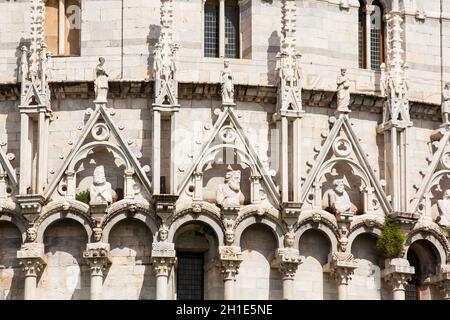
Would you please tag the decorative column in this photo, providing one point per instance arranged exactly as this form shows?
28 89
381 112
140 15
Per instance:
396 118
163 259
35 114
97 257
397 273
287 262
229 262
289 105
166 96
33 261
341 266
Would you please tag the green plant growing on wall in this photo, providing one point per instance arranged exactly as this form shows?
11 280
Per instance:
392 238
83 196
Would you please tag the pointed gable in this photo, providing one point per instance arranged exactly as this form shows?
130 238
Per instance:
229 142
342 157
100 131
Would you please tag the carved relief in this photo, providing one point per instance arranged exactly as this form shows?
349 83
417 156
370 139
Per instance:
444 209
337 199
229 193
100 190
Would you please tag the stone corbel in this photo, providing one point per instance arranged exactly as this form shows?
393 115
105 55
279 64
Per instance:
290 212
420 15
165 205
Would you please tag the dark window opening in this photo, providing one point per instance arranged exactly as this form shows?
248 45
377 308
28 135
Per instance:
190 275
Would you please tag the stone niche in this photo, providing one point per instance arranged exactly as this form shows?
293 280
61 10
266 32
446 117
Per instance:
353 187
214 176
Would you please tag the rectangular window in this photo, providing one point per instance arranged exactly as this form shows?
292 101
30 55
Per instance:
231 32
375 58
63 27
190 276
211 30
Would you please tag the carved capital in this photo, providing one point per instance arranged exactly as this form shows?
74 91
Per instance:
32 258
97 257
229 262
397 273
341 266
163 265
287 262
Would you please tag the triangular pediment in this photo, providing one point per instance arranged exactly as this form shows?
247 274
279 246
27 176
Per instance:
342 157
101 141
228 149
436 177
165 96
32 96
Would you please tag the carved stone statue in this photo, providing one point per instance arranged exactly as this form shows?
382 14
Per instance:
24 62
101 82
446 103
31 234
343 91
338 200
444 209
100 190
229 193
227 84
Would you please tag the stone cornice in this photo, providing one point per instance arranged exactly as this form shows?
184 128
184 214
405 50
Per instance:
248 93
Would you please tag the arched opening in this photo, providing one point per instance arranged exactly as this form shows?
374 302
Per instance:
130 275
66 276
310 280
423 256
376 36
197 277
11 275
366 283
257 279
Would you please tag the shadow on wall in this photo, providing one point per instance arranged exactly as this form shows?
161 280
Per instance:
152 39
272 49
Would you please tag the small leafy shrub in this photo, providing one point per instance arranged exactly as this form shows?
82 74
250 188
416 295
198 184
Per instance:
83 196
392 238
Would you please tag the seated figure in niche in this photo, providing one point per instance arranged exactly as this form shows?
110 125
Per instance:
100 190
338 200
229 193
444 209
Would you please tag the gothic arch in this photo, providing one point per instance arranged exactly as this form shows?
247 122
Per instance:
19 222
181 220
275 226
357 169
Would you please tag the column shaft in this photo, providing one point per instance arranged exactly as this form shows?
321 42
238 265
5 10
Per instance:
156 151
222 28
